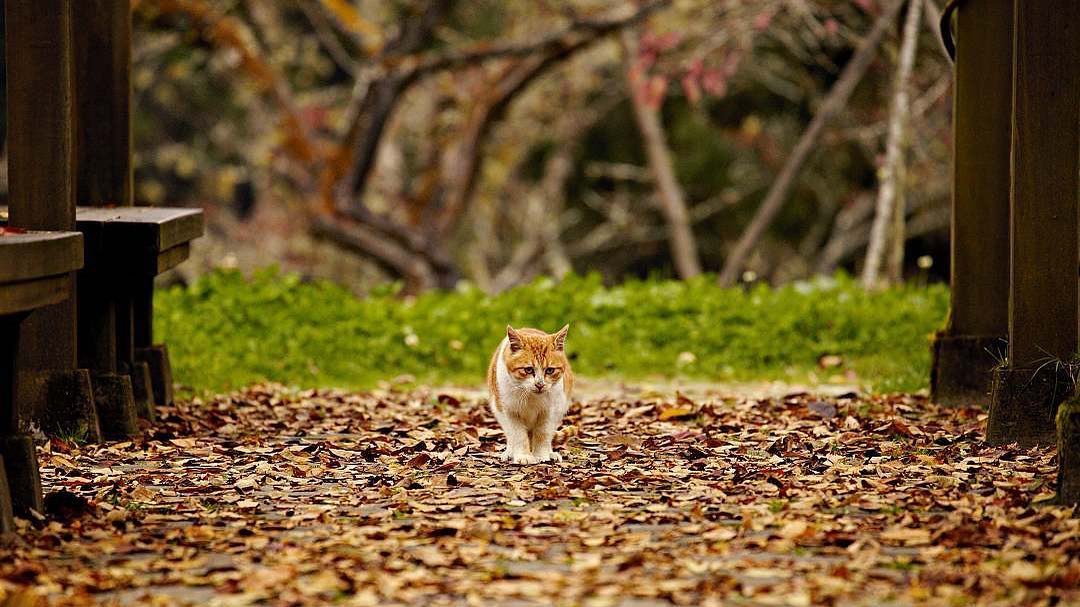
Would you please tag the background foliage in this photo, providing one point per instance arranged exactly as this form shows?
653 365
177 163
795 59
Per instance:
268 114
281 328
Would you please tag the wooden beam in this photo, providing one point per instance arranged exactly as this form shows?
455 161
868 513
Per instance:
982 105
1043 225
103 169
39 119
1045 144
973 342
102 47
37 254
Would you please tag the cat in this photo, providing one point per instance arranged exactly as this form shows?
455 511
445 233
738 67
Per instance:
530 382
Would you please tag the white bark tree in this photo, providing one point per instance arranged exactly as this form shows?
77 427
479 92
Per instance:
888 226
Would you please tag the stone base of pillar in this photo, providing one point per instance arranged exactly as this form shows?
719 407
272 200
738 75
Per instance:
115 402
143 387
23 478
69 410
7 519
962 368
157 357
1024 402
1068 441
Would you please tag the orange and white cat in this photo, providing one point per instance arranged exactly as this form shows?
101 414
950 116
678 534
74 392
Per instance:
530 382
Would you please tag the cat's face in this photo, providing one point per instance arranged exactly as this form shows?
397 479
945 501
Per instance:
535 360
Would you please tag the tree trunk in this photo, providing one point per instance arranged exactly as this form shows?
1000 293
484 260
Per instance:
684 250
897 237
890 201
834 102
932 19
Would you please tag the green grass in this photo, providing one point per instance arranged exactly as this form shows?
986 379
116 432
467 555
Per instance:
226 331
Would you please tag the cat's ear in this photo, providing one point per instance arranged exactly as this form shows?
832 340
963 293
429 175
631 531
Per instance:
559 338
513 338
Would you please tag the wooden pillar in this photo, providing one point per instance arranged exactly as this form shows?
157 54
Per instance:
39 118
1043 226
39 122
973 342
102 59
9 421
103 171
102 44
3 82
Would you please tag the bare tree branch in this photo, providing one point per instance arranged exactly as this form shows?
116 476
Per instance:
848 243
370 243
369 35
834 102
462 159
416 66
933 25
684 252
327 37
346 172
541 245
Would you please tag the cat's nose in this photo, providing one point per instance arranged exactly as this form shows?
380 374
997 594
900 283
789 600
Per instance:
539 386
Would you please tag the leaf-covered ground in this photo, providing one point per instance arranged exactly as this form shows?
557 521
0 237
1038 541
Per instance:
279 498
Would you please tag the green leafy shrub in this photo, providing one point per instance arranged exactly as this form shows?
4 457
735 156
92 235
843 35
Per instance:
225 331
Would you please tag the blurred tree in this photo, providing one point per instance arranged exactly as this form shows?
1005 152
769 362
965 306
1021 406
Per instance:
497 141
888 227
684 249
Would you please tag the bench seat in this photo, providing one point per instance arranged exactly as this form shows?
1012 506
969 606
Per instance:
34 268
145 240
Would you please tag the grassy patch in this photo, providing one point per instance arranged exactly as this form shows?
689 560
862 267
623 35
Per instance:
226 331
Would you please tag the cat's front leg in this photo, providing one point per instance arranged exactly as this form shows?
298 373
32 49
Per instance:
541 443
517 441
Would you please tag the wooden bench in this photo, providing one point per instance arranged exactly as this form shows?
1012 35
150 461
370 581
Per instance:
35 271
125 249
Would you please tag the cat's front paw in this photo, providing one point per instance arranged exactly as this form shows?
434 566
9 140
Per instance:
524 458
549 456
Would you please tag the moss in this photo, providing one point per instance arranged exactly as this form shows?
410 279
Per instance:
1068 428
1069 413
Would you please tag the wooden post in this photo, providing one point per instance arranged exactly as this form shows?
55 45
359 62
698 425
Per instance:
102 43
3 81
973 342
103 177
20 483
9 421
1043 228
102 47
39 122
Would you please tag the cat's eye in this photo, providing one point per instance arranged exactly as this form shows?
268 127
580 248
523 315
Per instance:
550 371
527 370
